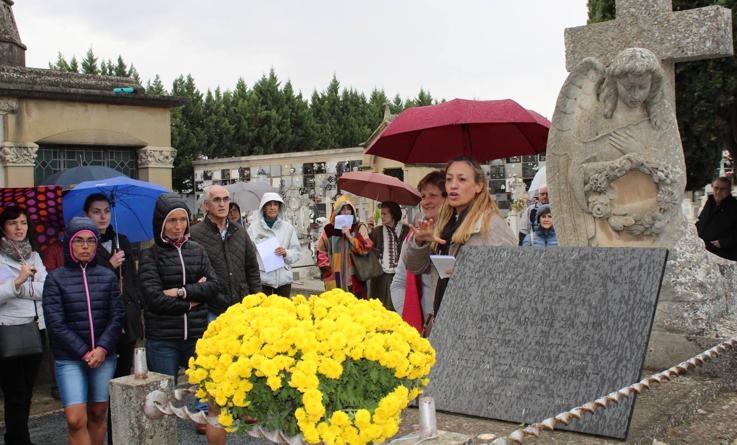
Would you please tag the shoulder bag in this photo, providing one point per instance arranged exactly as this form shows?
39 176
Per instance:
22 339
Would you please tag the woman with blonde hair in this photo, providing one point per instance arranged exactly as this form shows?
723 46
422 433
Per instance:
468 217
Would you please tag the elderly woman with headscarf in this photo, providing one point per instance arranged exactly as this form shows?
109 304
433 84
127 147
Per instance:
272 224
335 247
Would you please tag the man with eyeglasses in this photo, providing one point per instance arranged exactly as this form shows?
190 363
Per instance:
234 257
717 224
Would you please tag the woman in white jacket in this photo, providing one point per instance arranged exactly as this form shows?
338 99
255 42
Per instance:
272 224
22 276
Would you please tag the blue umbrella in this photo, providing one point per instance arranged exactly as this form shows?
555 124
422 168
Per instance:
132 204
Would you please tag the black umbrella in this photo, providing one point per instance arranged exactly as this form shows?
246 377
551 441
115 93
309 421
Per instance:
73 176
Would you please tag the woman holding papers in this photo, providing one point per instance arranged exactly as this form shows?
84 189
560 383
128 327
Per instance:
271 228
468 217
22 276
343 236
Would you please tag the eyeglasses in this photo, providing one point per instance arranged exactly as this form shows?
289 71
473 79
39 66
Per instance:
221 200
84 241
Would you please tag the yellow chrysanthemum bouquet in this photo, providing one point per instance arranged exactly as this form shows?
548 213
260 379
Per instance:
331 367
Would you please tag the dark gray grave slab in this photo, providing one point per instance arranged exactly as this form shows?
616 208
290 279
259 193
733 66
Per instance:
524 334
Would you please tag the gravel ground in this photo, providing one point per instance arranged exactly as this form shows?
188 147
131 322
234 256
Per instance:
51 429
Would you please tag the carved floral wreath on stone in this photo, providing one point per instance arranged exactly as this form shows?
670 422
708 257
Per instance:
600 195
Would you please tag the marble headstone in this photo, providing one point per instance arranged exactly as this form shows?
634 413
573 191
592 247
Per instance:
524 334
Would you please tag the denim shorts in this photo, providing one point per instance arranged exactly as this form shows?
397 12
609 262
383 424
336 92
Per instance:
78 383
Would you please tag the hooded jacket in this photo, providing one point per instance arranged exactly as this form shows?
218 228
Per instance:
540 237
171 265
234 260
285 234
334 249
81 302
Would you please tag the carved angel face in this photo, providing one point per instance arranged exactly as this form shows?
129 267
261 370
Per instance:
633 89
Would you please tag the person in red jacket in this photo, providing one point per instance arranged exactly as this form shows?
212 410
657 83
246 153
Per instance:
411 294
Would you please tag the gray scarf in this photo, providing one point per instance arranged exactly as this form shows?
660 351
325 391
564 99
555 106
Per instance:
20 251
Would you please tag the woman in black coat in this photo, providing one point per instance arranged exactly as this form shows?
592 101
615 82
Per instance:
177 281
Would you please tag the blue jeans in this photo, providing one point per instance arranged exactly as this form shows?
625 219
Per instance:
166 356
78 383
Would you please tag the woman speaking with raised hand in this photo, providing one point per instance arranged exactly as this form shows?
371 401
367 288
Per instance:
469 217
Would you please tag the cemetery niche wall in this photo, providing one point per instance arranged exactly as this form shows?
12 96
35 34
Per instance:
524 334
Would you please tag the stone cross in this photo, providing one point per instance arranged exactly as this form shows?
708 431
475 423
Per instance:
693 34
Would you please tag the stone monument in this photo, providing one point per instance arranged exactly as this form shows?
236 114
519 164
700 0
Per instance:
615 162
616 166
521 350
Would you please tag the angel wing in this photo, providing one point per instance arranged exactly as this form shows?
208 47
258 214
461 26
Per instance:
577 101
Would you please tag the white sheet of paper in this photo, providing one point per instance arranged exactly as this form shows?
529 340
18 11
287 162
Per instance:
343 221
5 273
269 259
443 264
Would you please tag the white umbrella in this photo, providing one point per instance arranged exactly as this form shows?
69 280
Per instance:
538 181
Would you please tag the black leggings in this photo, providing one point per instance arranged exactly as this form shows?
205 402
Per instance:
17 376
283 291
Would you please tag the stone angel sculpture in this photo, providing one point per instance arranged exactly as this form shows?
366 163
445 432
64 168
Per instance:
616 171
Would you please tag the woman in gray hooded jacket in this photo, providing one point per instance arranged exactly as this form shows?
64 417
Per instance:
271 223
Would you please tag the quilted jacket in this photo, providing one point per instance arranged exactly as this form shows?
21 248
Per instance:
82 305
168 265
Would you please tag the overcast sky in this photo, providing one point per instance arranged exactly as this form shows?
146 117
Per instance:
474 49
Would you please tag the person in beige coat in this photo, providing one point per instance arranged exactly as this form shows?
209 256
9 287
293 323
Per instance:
469 217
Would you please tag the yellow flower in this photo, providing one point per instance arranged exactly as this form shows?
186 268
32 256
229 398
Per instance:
225 419
274 382
267 339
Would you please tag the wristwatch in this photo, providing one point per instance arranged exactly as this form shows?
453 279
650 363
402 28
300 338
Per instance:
181 293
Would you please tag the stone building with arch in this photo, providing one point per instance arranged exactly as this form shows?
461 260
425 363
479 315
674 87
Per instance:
52 120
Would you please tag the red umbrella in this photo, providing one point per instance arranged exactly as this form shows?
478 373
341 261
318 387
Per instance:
379 187
43 204
483 129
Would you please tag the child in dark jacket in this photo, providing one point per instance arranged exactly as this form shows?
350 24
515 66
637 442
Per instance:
84 313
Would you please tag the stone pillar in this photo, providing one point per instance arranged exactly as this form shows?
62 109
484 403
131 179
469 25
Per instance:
155 165
17 160
130 425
